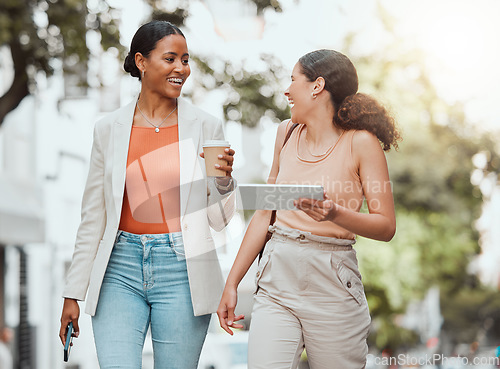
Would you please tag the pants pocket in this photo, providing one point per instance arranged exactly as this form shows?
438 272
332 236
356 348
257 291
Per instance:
351 282
178 248
263 263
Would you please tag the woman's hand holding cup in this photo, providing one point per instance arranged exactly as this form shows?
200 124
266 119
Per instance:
219 158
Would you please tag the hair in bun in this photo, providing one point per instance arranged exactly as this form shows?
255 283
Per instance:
144 41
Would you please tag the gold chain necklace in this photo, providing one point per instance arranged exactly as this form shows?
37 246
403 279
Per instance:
318 157
326 151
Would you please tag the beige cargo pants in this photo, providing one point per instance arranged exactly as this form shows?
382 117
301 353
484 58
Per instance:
310 295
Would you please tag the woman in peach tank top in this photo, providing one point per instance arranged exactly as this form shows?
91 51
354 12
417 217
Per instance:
309 290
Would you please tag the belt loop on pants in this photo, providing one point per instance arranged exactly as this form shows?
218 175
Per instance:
118 234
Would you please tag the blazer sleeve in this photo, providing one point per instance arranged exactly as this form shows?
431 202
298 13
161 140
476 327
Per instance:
220 208
92 225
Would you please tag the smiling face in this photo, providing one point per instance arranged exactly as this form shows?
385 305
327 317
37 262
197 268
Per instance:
299 95
167 66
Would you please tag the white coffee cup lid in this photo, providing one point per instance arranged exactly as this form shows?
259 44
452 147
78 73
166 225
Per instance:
216 143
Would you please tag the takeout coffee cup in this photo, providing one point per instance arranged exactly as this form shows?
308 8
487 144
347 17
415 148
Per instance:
212 149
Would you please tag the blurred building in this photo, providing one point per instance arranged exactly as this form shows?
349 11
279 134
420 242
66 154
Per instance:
44 145
22 218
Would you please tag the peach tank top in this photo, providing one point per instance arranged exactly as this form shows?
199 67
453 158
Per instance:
151 202
334 170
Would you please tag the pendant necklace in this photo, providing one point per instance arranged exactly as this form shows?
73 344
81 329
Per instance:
157 127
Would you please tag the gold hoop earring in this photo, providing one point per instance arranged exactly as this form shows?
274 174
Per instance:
313 95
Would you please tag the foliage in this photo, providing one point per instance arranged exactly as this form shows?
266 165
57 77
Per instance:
37 32
385 334
250 95
175 14
61 35
472 313
265 4
436 204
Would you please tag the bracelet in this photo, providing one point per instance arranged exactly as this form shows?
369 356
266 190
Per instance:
226 187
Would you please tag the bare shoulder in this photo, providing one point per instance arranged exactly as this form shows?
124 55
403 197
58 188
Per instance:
365 145
278 144
365 141
362 137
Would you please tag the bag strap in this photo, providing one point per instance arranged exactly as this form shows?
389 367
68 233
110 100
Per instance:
288 134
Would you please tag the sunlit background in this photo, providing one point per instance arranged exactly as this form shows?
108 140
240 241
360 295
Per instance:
434 289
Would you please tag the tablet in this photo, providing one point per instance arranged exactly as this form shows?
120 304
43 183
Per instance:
276 196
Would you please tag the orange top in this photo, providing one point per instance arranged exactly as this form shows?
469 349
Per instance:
334 169
151 202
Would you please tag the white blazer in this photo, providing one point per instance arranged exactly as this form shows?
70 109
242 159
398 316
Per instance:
103 198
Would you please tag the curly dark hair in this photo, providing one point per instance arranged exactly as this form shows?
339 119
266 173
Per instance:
145 40
360 111
352 110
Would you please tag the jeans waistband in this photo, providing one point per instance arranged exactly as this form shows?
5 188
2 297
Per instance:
167 238
309 239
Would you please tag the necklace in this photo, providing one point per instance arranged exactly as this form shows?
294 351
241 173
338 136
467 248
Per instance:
319 157
157 127
326 151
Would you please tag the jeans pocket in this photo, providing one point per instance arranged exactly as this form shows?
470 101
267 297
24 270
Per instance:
178 247
351 282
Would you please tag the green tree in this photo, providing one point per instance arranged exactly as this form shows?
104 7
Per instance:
250 94
436 203
38 32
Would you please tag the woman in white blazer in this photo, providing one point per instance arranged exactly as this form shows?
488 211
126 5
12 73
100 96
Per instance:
165 273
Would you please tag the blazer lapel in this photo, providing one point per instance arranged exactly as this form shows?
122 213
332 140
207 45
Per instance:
189 147
121 138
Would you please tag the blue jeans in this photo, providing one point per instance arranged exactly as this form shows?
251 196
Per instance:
146 283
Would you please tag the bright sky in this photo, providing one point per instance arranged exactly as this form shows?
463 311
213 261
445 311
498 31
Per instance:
461 41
